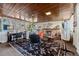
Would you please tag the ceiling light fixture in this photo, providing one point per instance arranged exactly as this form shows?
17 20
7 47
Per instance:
48 13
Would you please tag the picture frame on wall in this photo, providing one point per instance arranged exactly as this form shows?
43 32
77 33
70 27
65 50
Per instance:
0 26
74 23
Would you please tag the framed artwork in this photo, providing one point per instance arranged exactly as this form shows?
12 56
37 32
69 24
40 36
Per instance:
75 23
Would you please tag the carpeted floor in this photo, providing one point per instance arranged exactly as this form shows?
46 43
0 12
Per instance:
7 50
24 48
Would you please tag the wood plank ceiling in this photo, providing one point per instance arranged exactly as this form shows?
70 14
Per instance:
26 10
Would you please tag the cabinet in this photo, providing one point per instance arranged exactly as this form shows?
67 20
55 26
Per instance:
3 37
